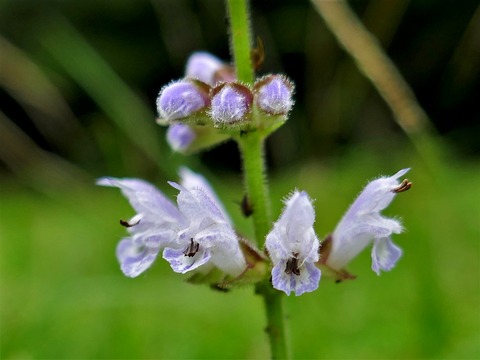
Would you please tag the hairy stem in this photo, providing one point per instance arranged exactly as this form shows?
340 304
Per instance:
251 146
240 39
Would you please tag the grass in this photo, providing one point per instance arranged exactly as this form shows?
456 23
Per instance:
63 296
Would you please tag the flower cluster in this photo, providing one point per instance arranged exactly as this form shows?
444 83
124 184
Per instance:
197 235
210 94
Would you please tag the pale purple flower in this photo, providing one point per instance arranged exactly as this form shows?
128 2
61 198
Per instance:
181 99
192 235
203 66
208 236
293 247
230 103
153 227
180 136
362 224
273 94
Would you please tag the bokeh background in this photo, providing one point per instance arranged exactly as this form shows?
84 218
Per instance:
78 82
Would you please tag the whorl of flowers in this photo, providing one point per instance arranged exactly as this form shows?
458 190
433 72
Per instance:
196 236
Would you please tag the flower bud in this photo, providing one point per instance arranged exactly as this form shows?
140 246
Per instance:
202 66
273 94
182 98
180 136
208 68
231 103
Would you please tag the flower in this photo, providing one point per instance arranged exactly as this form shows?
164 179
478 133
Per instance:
180 136
195 234
273 94
293 247
208 236
363 224
153 227
182 98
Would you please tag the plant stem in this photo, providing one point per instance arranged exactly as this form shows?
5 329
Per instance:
240 39
273 300
251 146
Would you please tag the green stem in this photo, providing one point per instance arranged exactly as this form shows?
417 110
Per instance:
240 39
251 146
273 300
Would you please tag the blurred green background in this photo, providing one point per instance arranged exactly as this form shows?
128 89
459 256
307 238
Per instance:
78 82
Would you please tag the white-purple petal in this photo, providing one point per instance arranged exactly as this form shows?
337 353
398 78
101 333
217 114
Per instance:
226 254
385 255
307 281
182 263
191 180
195 204
376 196
135 259
145 198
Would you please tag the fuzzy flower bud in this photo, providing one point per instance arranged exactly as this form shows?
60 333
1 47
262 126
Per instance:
273 94
231 103
207 68
180 136
182 98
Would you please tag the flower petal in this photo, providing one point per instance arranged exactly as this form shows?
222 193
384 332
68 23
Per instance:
195 204
222 242
376 196
385 255
135 259
307 281
182 263
145 198
191 180
293 232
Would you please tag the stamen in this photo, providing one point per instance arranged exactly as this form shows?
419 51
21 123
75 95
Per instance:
128 224
292 265
191 249
404 186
